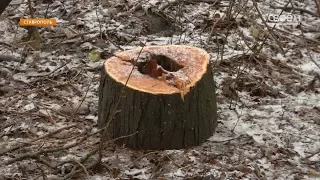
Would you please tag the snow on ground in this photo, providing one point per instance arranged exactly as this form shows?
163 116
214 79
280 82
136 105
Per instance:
269 114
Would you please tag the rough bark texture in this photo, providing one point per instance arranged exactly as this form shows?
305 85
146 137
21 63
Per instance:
3 5
161 121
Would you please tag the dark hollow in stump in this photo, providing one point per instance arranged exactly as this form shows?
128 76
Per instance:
169 101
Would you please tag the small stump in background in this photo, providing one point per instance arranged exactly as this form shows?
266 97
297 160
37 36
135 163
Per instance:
169 101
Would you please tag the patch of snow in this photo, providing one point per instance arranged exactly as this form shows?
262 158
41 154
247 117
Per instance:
178 173
138 173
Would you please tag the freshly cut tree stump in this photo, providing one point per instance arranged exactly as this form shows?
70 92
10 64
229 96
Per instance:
169 101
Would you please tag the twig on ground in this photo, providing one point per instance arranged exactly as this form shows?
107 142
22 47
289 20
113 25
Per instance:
100 26
238 119
2 152
152 152
204 1
6 44
112 42
311 155
290 33
228 140
308 50
82 100
41 160
63 65
73 37
46 13
83 168
44 176
35 154
135 8
258 172
9 58
269 29
75 169
171 3
285 8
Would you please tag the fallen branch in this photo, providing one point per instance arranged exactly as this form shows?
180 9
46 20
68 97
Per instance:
308 50
63 65
311 155
35 154
230 139
83 168
269 29
8 58
290 33
204 1
6 44
135 8
166 5
294 9
74 170
4 151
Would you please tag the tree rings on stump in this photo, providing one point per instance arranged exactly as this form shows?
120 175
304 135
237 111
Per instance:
169 100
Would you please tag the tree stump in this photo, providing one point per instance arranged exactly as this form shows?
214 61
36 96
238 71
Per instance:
3 5
169 101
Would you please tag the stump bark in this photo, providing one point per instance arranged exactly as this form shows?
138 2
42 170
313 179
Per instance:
3 5
169 101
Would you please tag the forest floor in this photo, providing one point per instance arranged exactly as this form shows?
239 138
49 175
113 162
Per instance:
268 88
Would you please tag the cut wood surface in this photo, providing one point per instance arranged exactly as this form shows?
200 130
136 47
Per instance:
169 101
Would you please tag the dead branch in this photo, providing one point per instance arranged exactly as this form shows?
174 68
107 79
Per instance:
258 172
43 174
294 9
166 5
135 8
290 33
269 29
308 50
311 85
35 154
41 160
6 44
63 65
74 170
311 155
82 100
204 1
8 58
4 151
83 168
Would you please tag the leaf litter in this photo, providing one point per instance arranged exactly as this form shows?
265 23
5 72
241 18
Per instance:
268 103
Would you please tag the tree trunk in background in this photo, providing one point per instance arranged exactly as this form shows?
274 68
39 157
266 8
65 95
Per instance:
3 5
160 115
